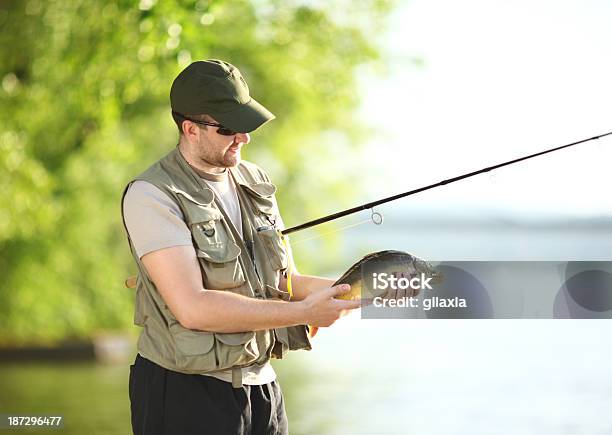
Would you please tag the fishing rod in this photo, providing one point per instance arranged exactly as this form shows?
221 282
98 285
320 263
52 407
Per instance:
373 204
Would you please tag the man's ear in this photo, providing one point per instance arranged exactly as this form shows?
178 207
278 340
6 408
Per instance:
190 130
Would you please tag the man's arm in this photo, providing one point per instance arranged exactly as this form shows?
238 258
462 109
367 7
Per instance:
304 285
176 274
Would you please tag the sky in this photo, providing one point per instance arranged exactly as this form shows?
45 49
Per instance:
474 83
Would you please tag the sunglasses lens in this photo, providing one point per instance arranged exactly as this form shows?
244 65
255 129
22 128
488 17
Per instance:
226 131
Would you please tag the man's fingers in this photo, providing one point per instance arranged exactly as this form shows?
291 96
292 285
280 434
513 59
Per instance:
349 305
339 290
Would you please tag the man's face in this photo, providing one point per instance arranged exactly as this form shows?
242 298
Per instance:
219 150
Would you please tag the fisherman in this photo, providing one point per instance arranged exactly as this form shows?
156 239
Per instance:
212 293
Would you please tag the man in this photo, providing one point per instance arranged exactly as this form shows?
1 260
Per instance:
212 294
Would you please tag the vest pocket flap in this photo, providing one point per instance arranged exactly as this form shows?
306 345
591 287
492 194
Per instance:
192 342
235 338
263 189
205 216
221 254
198 213
203 197
275 293
261 196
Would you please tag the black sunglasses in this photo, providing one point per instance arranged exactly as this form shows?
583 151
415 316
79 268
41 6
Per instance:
224 131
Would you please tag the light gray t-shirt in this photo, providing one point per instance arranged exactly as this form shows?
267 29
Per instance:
154 221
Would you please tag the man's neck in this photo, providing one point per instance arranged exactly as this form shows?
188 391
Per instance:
202 168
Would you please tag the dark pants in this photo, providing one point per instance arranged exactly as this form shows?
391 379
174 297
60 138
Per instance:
164 402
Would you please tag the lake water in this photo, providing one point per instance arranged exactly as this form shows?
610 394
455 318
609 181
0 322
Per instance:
385 377
459 377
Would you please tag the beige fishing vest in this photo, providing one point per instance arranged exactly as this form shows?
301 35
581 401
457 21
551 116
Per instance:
226 264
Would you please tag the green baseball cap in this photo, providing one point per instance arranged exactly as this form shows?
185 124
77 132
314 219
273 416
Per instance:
216 88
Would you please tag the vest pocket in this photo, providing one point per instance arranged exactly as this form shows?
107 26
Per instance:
202 351
238 348
221 271
261 196
274 247
191 342
216 250
194 349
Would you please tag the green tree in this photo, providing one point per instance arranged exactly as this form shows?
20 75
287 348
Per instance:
84 102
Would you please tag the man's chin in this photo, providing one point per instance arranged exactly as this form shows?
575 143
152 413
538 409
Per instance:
232 160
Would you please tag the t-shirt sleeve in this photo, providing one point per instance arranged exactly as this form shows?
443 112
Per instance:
153 220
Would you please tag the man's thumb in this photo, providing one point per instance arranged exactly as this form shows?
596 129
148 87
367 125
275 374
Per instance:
340 289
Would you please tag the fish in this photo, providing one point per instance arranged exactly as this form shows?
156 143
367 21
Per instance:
360 275
398 263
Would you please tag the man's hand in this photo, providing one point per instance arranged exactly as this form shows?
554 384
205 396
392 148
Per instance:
322 309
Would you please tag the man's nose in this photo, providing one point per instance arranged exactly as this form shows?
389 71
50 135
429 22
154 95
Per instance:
244 138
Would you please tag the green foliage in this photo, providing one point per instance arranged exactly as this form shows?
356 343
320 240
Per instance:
84 102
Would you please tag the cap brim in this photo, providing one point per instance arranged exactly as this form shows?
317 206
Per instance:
245 118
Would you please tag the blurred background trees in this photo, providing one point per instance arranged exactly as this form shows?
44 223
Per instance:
84 100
